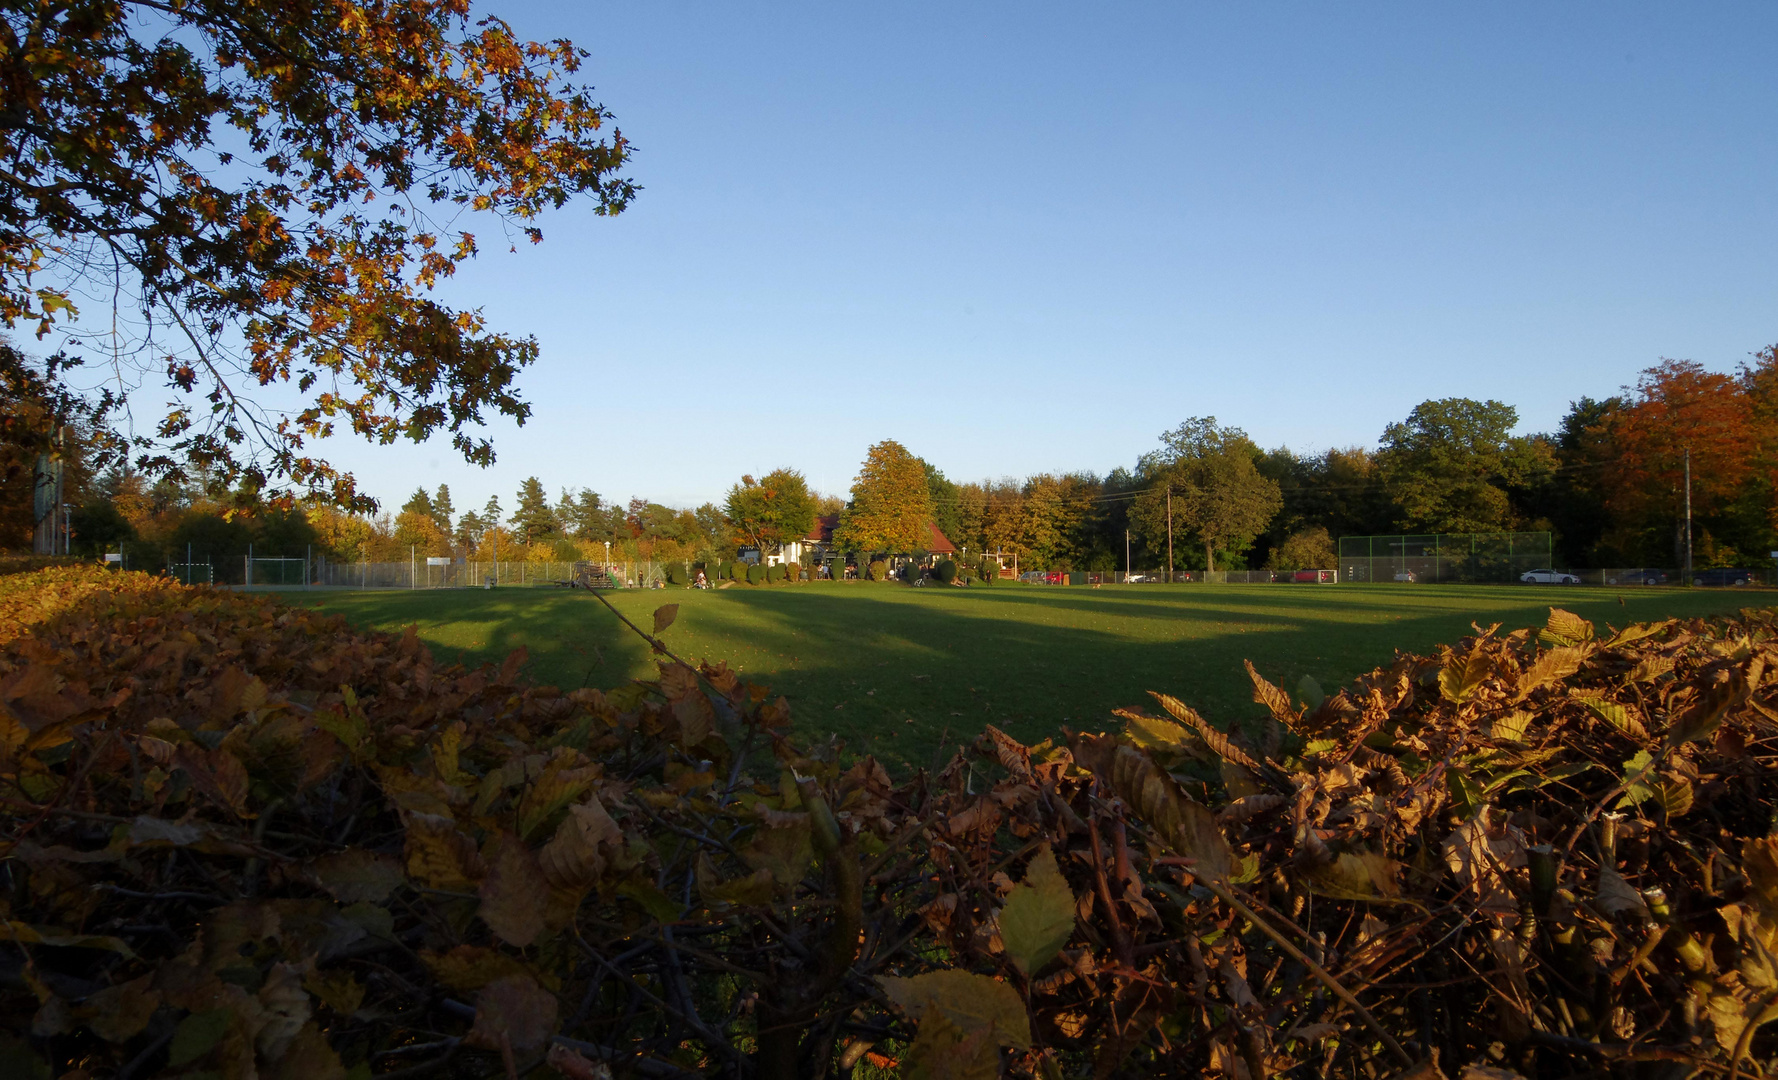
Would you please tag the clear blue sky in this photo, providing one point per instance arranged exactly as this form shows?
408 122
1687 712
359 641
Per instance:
1023 238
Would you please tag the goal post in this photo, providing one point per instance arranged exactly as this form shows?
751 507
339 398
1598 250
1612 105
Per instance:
192 573
263 570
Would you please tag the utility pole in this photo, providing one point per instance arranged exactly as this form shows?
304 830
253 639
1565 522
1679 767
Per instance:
1126 556
1169 534
1688 514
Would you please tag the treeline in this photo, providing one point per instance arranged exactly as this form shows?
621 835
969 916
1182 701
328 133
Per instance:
1609 483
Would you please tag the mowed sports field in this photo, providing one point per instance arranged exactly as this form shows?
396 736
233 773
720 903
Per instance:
904 673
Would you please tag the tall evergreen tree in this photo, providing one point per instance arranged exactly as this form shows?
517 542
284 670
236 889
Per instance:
532 519
418 503
584 515
442 511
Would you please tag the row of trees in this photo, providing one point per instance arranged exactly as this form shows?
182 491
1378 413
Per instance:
1610 483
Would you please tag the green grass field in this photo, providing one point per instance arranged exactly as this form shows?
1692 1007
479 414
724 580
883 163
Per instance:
902 672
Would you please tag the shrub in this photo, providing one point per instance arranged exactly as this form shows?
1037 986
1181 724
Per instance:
945 571
756 574
677 574
988 571
726 570
879 570
775 573
793 571
1310 549
251 840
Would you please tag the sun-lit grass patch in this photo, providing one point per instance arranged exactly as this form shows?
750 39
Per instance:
897 671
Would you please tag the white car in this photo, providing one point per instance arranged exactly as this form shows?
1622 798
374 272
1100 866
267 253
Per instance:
1548 577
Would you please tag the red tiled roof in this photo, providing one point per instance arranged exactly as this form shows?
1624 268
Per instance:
940 545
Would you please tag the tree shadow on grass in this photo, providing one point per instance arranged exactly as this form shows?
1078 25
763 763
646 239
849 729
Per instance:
894 679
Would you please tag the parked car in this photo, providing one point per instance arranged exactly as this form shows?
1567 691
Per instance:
1033 577
1137 579
1721 577
1548 577
1645 576
1404 575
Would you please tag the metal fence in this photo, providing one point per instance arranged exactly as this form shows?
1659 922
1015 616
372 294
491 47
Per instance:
1445 557
1178 577
424 573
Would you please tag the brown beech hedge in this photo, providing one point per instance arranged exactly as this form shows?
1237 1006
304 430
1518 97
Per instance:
244 840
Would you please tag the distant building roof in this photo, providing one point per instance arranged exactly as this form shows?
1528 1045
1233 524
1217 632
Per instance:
940 545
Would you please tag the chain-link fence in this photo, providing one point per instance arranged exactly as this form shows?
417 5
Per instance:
1178 577
1445 557
423 573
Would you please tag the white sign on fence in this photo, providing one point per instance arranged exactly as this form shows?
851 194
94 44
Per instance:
113 556
434 560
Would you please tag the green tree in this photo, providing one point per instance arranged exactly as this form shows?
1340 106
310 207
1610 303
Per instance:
771 512
442 510
891 505
99 526
276 189
532 518
585 516
946 509
43 421
1205 474
1450 465
1309 549
419 503
469 531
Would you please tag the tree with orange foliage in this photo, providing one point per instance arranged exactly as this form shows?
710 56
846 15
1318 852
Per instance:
275 189
1678 407
1760 382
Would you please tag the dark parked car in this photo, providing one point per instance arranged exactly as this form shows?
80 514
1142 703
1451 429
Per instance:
1721 577
1644 576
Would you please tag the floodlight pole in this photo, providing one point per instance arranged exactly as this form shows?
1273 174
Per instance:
1688 513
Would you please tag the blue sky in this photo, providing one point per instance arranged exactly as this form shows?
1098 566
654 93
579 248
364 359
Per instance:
1023 237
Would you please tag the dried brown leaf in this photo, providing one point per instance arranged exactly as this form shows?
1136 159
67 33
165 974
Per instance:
513 1010
515 894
